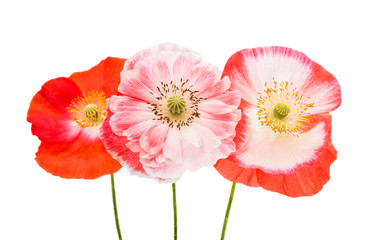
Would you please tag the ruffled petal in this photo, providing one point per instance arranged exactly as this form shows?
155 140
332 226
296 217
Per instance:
160 49
48 114
205 79
120 148
173 147
80 158
137 86
122 103
123 120
152 141
103 77
183 66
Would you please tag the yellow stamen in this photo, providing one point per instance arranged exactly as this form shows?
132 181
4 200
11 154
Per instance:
89 110
281 107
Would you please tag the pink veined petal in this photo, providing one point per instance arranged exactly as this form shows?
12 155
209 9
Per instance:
160 71
232 98
135 132
183 65
214 106
173 147
205 76
209 140
152 141
163 171
157 50
189 136
123 120
134 146
216 89
222 129
122 103
199 158
129 64
117 147
136 86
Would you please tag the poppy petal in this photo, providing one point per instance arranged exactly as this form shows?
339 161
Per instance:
117 146
249 69
80 158
48 114
104 77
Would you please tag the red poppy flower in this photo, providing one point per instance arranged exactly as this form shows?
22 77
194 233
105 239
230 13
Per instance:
283 139
66 115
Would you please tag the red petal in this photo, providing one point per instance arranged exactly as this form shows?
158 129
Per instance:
308 180
80 158
103 77
305 181
48 114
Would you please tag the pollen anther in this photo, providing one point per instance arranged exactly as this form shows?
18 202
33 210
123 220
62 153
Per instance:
88 110
282 108
176 104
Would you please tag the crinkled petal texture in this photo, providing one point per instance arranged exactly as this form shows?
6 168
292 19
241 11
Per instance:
143 133
291 164
67 149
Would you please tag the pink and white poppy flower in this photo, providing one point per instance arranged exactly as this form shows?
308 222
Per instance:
173 114
284 137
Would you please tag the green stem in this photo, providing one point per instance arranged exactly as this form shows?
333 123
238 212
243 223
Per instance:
228 210
115 208
175 211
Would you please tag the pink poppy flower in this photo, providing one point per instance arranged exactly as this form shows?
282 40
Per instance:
173 114
66 115
284 137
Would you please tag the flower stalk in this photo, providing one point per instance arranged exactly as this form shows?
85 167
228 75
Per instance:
228 210
175 210
115 207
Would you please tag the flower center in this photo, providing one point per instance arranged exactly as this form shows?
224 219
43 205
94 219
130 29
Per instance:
89 110
283 108
176 104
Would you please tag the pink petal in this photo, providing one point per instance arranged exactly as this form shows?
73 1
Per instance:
221 129
123 120
214 106
173 146
122 103
135 132
137 86
183 65
152 141
117 148
209 140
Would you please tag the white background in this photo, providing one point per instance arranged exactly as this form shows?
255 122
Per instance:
41 40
